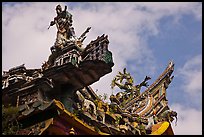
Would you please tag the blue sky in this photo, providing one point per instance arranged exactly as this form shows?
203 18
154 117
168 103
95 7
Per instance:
179 42
144 37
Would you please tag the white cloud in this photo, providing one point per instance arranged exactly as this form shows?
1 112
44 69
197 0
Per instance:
191 80
175 8
189 121
191 73
25 28
25 35
124 22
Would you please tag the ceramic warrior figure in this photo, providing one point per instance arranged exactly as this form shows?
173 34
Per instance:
63 22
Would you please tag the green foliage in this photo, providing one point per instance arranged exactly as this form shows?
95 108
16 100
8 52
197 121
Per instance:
113 83
100 96
142 129
118 118
10 124
139 119
76 112
104 97
113 109
96 129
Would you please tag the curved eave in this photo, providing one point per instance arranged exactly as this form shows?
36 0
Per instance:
163 128
70 118
163 77
88 72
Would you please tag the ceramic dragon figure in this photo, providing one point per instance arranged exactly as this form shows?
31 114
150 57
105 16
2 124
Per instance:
126 82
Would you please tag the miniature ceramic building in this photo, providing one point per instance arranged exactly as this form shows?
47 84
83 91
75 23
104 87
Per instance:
57 99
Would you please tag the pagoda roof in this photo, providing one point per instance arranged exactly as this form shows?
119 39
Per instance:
166 74
39 111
